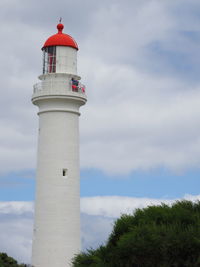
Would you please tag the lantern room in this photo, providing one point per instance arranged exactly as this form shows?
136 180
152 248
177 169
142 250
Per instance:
60 53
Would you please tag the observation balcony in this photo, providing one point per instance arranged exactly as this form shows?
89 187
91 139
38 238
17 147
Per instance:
58 88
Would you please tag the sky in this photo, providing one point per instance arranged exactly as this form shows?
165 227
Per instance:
139 131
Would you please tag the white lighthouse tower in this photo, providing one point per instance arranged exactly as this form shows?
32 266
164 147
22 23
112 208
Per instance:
59 95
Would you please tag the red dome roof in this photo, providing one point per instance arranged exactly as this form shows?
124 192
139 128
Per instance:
60 39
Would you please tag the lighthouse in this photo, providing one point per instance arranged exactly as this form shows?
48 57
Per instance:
58 95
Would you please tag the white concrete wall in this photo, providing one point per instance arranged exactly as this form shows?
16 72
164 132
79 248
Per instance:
57 212
56 236
66 60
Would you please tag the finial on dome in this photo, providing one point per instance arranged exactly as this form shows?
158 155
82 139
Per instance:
60 26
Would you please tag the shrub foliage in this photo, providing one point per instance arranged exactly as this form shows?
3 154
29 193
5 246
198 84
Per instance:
6 261
156 236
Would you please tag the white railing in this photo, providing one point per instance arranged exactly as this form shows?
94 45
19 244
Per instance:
58 87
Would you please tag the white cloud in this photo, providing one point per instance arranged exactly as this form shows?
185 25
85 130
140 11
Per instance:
141 122
95 230
16 207
15 237
115 206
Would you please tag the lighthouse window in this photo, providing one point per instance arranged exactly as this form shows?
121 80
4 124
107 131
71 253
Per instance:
64 172
49 59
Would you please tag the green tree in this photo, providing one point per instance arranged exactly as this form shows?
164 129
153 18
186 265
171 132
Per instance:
157 236
6 261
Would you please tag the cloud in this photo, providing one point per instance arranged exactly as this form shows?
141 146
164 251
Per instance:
140 63
95 230
16 208
16 224
115 206
143 123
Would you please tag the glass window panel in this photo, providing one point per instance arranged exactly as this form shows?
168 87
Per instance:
49 59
